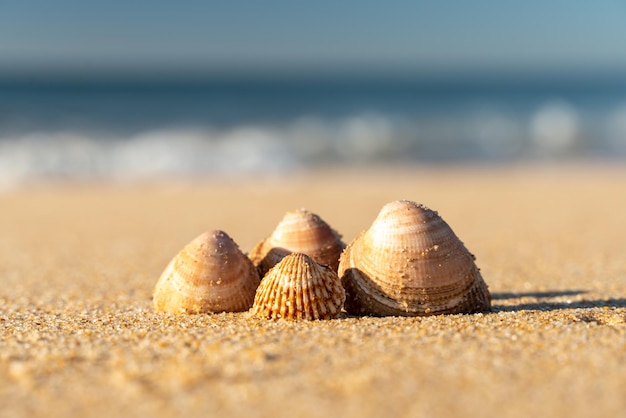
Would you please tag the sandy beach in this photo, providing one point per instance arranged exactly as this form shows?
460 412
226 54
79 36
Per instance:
79 337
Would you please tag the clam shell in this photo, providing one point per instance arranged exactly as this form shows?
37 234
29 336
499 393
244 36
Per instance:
303 232
409 263
299 288
210 274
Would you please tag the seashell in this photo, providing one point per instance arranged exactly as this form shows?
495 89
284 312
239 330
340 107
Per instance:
303 232
299 288
210 274
409 263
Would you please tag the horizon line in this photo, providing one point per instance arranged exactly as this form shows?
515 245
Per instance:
290 75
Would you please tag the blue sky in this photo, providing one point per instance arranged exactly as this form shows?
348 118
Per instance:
323 35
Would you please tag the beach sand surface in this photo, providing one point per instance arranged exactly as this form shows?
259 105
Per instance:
79 337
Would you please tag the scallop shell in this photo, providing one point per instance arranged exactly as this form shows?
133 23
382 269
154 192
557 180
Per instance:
303 232
299 288
409 263
210 274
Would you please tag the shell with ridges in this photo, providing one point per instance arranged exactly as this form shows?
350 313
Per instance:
303 232
409 263
299 288
210 274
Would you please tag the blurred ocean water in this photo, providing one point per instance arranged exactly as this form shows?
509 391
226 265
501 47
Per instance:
136 129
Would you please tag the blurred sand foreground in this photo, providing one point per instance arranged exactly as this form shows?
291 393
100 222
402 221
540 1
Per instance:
79 337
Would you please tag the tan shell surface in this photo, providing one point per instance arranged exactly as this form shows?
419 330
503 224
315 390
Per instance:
410 262
299 231
210 274
299 288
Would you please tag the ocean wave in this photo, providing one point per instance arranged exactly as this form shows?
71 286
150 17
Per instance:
554 130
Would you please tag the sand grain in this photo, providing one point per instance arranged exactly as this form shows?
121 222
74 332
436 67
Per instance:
78 334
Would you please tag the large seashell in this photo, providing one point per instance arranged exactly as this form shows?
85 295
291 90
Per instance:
303 232
299 288
210 274
409 263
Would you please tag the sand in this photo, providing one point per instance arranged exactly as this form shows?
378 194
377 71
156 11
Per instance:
78 263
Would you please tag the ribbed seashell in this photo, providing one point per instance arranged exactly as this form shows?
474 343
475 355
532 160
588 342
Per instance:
299 231
409 263
210 274
299 288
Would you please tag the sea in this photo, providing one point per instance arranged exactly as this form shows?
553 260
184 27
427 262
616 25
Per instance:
150 128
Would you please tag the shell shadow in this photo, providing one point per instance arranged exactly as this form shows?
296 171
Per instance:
545 305
537 295
272 258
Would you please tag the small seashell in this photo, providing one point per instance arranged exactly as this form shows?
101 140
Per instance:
299 288
409 263
303 232
210 274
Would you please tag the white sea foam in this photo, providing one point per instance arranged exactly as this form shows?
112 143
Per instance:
554 128
551 130
616 131
160 153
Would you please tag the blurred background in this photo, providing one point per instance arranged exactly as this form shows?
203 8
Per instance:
151 89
